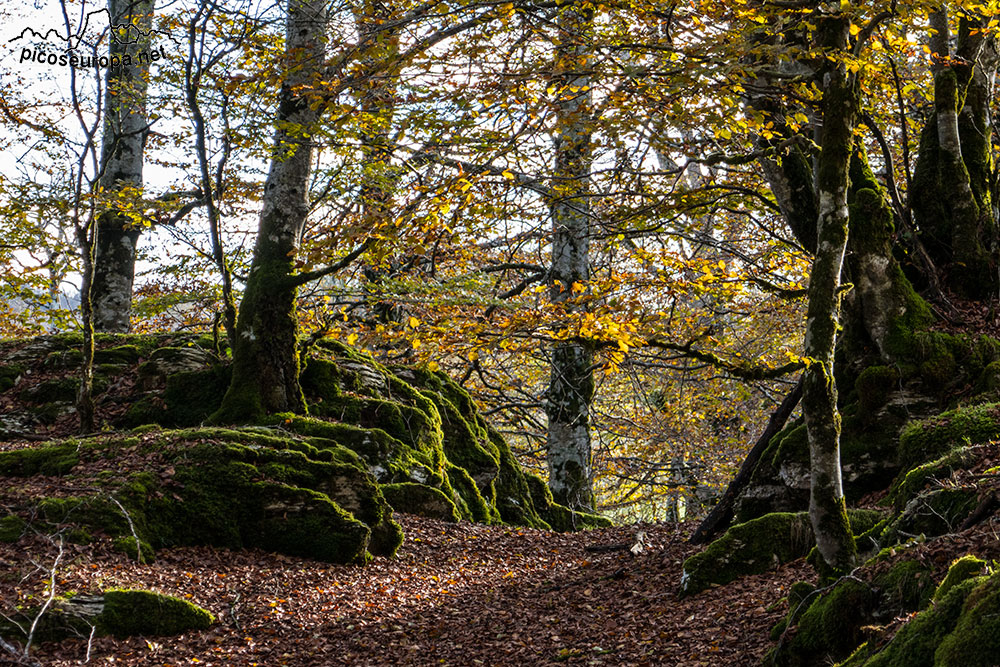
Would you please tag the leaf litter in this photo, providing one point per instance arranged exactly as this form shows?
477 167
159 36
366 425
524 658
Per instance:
455 594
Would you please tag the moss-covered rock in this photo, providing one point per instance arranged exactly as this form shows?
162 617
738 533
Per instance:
129 613
915 644
421 500
118 612
933 513
829 629
9 375
975 639
310 485
930 439
233 488
907 586
757 546
911 482
963 568
559 517
780 481
11 528
187 400
51 460
874 385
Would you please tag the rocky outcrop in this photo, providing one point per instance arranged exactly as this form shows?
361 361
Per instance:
322 485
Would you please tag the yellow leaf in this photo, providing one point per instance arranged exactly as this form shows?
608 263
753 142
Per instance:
413 322
352 339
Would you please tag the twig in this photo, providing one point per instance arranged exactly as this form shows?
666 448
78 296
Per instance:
131 527
48 602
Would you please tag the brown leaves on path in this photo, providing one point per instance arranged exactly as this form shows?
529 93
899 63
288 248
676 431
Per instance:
456 594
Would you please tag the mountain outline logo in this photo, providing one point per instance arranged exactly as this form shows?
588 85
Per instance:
121 33
38 47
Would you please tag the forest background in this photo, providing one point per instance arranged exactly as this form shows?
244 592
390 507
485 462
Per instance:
497 189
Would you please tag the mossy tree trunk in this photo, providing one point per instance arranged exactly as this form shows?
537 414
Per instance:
827 511
571 384
265 356
122 151
952 197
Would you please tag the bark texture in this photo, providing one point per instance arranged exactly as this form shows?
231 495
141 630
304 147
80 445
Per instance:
265 359
952 196
827 511
123 146
571 385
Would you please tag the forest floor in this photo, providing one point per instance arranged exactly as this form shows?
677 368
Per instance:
455 594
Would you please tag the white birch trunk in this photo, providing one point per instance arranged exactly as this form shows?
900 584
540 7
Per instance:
571 385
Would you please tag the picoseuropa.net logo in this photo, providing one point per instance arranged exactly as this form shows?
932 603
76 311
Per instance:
87 47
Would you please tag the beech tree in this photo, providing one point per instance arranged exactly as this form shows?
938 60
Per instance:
265 353
122 152
827 511
571 387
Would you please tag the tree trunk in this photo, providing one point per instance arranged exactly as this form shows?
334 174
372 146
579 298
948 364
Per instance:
123 145
951 198
571 386
265 360
827 511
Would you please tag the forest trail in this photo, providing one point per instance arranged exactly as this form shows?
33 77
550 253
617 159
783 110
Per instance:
456 594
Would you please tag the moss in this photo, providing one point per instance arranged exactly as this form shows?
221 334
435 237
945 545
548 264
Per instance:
421 500
916 317
62 359
188 400
559 517
858 657
931 438
911 482
320 379
974 641
830 629
407 424
915 643
753 547
240 489
302 522
934 513
140 550
47 460
759 545
989 379
514 499
389 459
797 594
906 587
961 569
129 613
9 375
467 497
121 354
12 527
467 440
